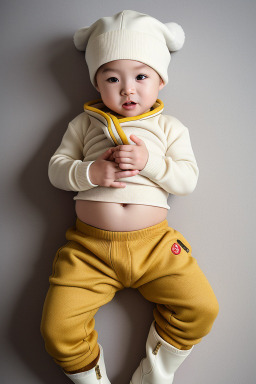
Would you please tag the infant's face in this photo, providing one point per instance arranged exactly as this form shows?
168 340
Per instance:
128 87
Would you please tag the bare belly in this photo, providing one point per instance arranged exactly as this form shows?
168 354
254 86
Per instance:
119 217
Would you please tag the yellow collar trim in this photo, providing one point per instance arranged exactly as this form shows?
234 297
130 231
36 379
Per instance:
88 106
111 118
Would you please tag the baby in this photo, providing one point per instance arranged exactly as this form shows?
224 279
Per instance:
124 156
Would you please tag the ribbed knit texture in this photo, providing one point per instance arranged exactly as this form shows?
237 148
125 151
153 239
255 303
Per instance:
128 45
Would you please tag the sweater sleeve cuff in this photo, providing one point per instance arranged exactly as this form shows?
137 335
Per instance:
154 165
87 175
83 178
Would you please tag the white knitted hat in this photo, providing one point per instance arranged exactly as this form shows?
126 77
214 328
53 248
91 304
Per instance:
132 36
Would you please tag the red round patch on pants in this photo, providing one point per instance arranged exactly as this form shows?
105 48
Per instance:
176 249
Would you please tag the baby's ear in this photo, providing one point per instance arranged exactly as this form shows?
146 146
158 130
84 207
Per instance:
161 84
96 85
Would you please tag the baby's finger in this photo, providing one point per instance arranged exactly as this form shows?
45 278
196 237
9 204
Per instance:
122 154
117 184
126 148
124 166
105 155
122 174
136 140
125 160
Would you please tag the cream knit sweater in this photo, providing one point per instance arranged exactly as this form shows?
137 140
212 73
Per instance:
171 166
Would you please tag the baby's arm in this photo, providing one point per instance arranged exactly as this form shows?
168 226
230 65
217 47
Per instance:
68 171
66 167
175 171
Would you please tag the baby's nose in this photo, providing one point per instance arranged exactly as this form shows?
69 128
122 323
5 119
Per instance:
128 90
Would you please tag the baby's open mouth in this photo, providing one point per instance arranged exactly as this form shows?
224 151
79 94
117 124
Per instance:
129 103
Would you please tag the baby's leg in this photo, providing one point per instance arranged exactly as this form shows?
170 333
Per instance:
82 281
186 308
186 305
68 328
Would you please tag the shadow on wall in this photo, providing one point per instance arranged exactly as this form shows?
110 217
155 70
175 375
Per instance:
56 211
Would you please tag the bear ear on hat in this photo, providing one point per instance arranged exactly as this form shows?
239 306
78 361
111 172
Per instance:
81 38
175 38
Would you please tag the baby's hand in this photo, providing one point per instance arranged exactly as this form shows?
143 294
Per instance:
131 156
106 173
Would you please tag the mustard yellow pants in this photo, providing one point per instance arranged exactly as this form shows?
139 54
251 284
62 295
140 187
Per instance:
95 264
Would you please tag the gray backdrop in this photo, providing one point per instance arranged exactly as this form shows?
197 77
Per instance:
44 84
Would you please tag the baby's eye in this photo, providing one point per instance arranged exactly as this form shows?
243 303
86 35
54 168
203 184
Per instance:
112 80
141 77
